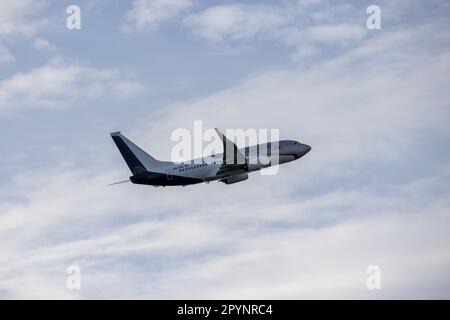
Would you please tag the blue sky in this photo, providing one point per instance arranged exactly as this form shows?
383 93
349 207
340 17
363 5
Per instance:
373 104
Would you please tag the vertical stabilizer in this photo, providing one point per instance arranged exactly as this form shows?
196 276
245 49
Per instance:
137 159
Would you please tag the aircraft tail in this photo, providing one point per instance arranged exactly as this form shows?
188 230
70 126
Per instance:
137 159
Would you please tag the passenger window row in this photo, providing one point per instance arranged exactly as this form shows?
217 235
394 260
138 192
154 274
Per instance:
193 167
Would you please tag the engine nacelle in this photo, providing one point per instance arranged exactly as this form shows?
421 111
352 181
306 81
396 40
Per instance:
236 178
258 164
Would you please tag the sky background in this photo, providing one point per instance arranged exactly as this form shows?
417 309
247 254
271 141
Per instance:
373 104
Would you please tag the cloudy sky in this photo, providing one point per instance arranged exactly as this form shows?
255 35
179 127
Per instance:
373 104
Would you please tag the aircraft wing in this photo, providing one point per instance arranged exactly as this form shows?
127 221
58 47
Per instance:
233 161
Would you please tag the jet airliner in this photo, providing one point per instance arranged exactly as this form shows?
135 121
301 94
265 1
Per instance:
231 166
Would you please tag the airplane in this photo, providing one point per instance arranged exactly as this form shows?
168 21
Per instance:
231 166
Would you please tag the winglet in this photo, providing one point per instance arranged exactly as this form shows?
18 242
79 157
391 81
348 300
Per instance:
219 133
236 157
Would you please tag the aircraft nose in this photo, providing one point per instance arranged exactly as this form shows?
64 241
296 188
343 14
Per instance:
304 149
307 148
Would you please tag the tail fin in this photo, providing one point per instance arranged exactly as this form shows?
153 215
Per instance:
137 159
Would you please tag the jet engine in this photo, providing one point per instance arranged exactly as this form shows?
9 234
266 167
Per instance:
236 178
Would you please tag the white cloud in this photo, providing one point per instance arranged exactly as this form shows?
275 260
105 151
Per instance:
290 24
263 244
58 85
17 19
234 22
304 27
150 13
42 44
